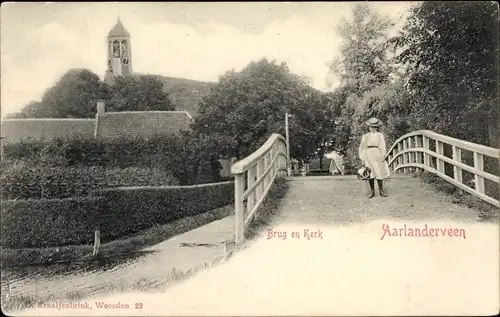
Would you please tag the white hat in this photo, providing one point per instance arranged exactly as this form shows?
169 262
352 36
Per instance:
373 122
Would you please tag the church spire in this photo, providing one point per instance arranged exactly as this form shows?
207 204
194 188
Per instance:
119 52
118 30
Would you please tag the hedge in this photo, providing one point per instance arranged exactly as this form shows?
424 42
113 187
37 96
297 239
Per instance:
77 150
129 210
117 212
182 155
21 180
44 223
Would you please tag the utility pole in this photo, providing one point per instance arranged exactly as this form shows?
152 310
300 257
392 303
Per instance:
288 163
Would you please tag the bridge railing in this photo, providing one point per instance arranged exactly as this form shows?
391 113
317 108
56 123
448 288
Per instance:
412 152
254 176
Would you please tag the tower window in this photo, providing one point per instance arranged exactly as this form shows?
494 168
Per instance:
124 49
116 49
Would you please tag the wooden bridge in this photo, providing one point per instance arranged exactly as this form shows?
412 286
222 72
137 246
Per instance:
330 250
421 150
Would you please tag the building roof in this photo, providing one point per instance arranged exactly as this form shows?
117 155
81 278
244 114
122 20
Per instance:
185 93
118 30
142 123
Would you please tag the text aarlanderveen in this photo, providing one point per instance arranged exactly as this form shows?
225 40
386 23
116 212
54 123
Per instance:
421 232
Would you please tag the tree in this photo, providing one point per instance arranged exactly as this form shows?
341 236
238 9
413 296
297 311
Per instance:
141 93
312 129
364 70
32 110
246 107
363 61
74 96
451 50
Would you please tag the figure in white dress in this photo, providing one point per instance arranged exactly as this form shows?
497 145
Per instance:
372 154
336 163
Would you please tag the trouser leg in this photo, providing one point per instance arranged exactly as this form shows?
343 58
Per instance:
371 181
381 188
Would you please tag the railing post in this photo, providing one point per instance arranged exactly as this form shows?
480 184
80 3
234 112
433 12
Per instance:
426 147
410 155
415 153
400 158
406 155
260 188
457 171
239 188
418 157
277 162
439 150
266 165
271 157
250 182
479 165
97 242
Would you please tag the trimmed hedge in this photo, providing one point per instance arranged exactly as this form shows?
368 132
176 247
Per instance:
44 223
20 180
183 155
78 150
116 212
129 210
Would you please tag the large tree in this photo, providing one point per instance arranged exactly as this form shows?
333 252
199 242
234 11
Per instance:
74 96
139 93
246 107
451 50
363 60
363 66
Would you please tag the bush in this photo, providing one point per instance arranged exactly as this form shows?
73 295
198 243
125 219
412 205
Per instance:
44 223
79 150
182 155
129 210
117 213
20 180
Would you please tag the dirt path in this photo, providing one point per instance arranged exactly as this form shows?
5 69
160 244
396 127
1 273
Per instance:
348 268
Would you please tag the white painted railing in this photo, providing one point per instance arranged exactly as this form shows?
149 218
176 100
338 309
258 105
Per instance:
412 152
254 176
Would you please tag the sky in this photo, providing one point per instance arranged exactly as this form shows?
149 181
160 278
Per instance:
194 40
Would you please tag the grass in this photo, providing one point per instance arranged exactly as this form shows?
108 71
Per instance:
143 239
487 212
24 301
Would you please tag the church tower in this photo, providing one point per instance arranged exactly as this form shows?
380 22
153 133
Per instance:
119 53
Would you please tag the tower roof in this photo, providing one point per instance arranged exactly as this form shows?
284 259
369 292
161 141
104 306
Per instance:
118 30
